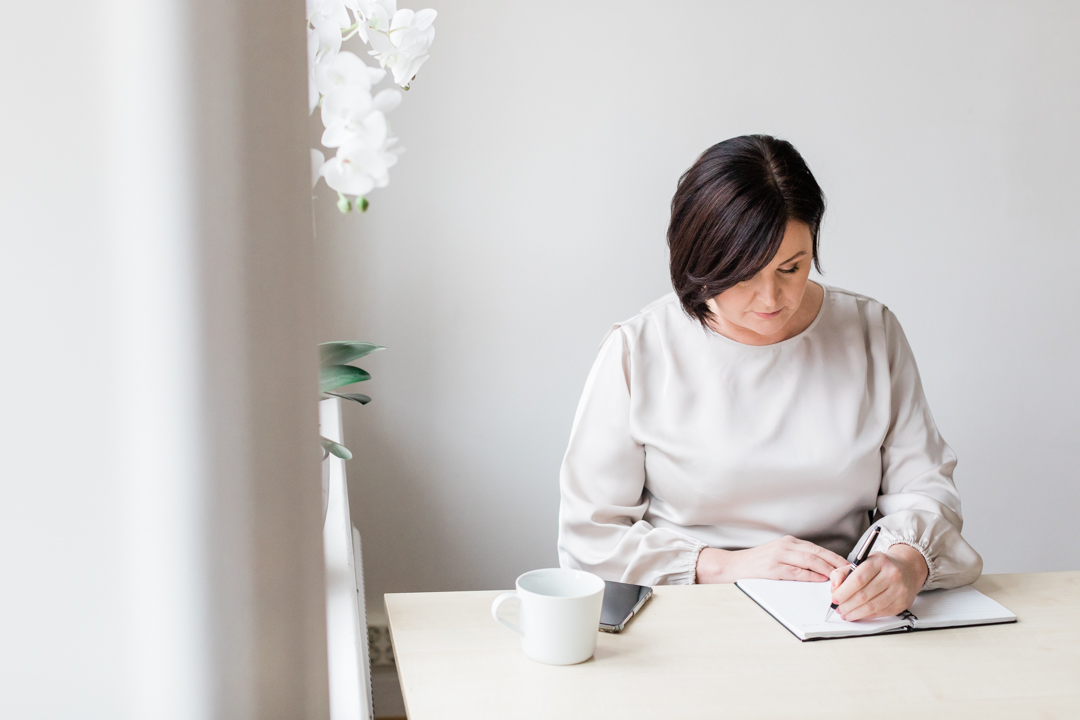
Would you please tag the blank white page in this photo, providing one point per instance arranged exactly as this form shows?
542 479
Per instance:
959 606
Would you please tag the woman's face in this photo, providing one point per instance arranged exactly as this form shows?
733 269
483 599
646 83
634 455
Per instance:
759 310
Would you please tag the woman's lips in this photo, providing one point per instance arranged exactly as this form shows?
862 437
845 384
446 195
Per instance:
768 316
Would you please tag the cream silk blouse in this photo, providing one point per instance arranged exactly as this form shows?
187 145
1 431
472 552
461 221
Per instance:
686 439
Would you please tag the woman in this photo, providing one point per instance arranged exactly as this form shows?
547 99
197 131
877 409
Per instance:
753 424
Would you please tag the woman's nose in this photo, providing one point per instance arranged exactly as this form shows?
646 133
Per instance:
769 292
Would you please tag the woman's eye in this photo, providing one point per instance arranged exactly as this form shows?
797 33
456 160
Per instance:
791 270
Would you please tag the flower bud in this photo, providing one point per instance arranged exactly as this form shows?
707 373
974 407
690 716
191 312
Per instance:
344 204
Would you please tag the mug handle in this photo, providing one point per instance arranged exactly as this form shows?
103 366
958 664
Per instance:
498 603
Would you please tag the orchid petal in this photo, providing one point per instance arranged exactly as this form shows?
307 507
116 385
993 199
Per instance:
376 74
381 44
337 135
346 103
402 19
387 100
423 19
414 67
346 70
342 175
317 162
340 14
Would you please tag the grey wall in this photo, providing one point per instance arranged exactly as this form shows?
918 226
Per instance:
544 142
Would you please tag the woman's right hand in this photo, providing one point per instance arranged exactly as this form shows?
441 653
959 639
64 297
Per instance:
785 558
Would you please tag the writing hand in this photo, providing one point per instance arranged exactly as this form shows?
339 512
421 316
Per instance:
785 558
884 584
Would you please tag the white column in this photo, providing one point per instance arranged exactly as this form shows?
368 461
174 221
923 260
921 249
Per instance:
346 619
160 523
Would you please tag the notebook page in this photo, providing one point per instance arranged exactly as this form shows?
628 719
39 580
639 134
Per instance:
959 606
801 608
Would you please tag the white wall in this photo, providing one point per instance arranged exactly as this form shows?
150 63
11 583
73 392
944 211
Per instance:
160 521
544 142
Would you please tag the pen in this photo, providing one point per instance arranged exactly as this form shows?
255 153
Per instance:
863 554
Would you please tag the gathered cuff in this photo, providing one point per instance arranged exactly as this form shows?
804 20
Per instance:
691 570
950 560
931 566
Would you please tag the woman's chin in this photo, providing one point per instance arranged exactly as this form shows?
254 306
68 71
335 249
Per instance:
767 328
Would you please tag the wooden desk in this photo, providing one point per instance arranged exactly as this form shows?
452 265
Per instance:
707 651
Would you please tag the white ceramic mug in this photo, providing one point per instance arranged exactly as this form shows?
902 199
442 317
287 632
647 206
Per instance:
559 616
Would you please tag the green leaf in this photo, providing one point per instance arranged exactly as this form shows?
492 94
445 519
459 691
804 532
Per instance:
340 353
355 397
335 449
334 376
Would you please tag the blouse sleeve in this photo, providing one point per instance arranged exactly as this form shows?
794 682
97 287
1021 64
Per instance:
918 503
602 485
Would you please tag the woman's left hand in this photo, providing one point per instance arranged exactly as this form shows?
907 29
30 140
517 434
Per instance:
884 584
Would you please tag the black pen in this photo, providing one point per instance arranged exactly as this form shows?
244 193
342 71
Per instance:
863 554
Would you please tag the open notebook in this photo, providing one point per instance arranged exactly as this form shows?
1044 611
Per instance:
801 608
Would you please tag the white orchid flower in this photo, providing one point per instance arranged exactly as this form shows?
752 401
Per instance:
348 173
344 112
313 50
329 36
346 69
404 47
387 100
342 83
370 132
358 169
372 15
317 162
333 10
345 175
349 113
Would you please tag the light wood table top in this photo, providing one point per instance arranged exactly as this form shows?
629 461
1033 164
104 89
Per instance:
707 651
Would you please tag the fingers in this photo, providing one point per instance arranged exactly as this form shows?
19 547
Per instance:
793 572
807 555
874 589
855 582
887 602
789 558
871 599
828 556
809 560
838 576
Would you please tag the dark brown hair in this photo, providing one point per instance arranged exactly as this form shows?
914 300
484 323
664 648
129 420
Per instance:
729 215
